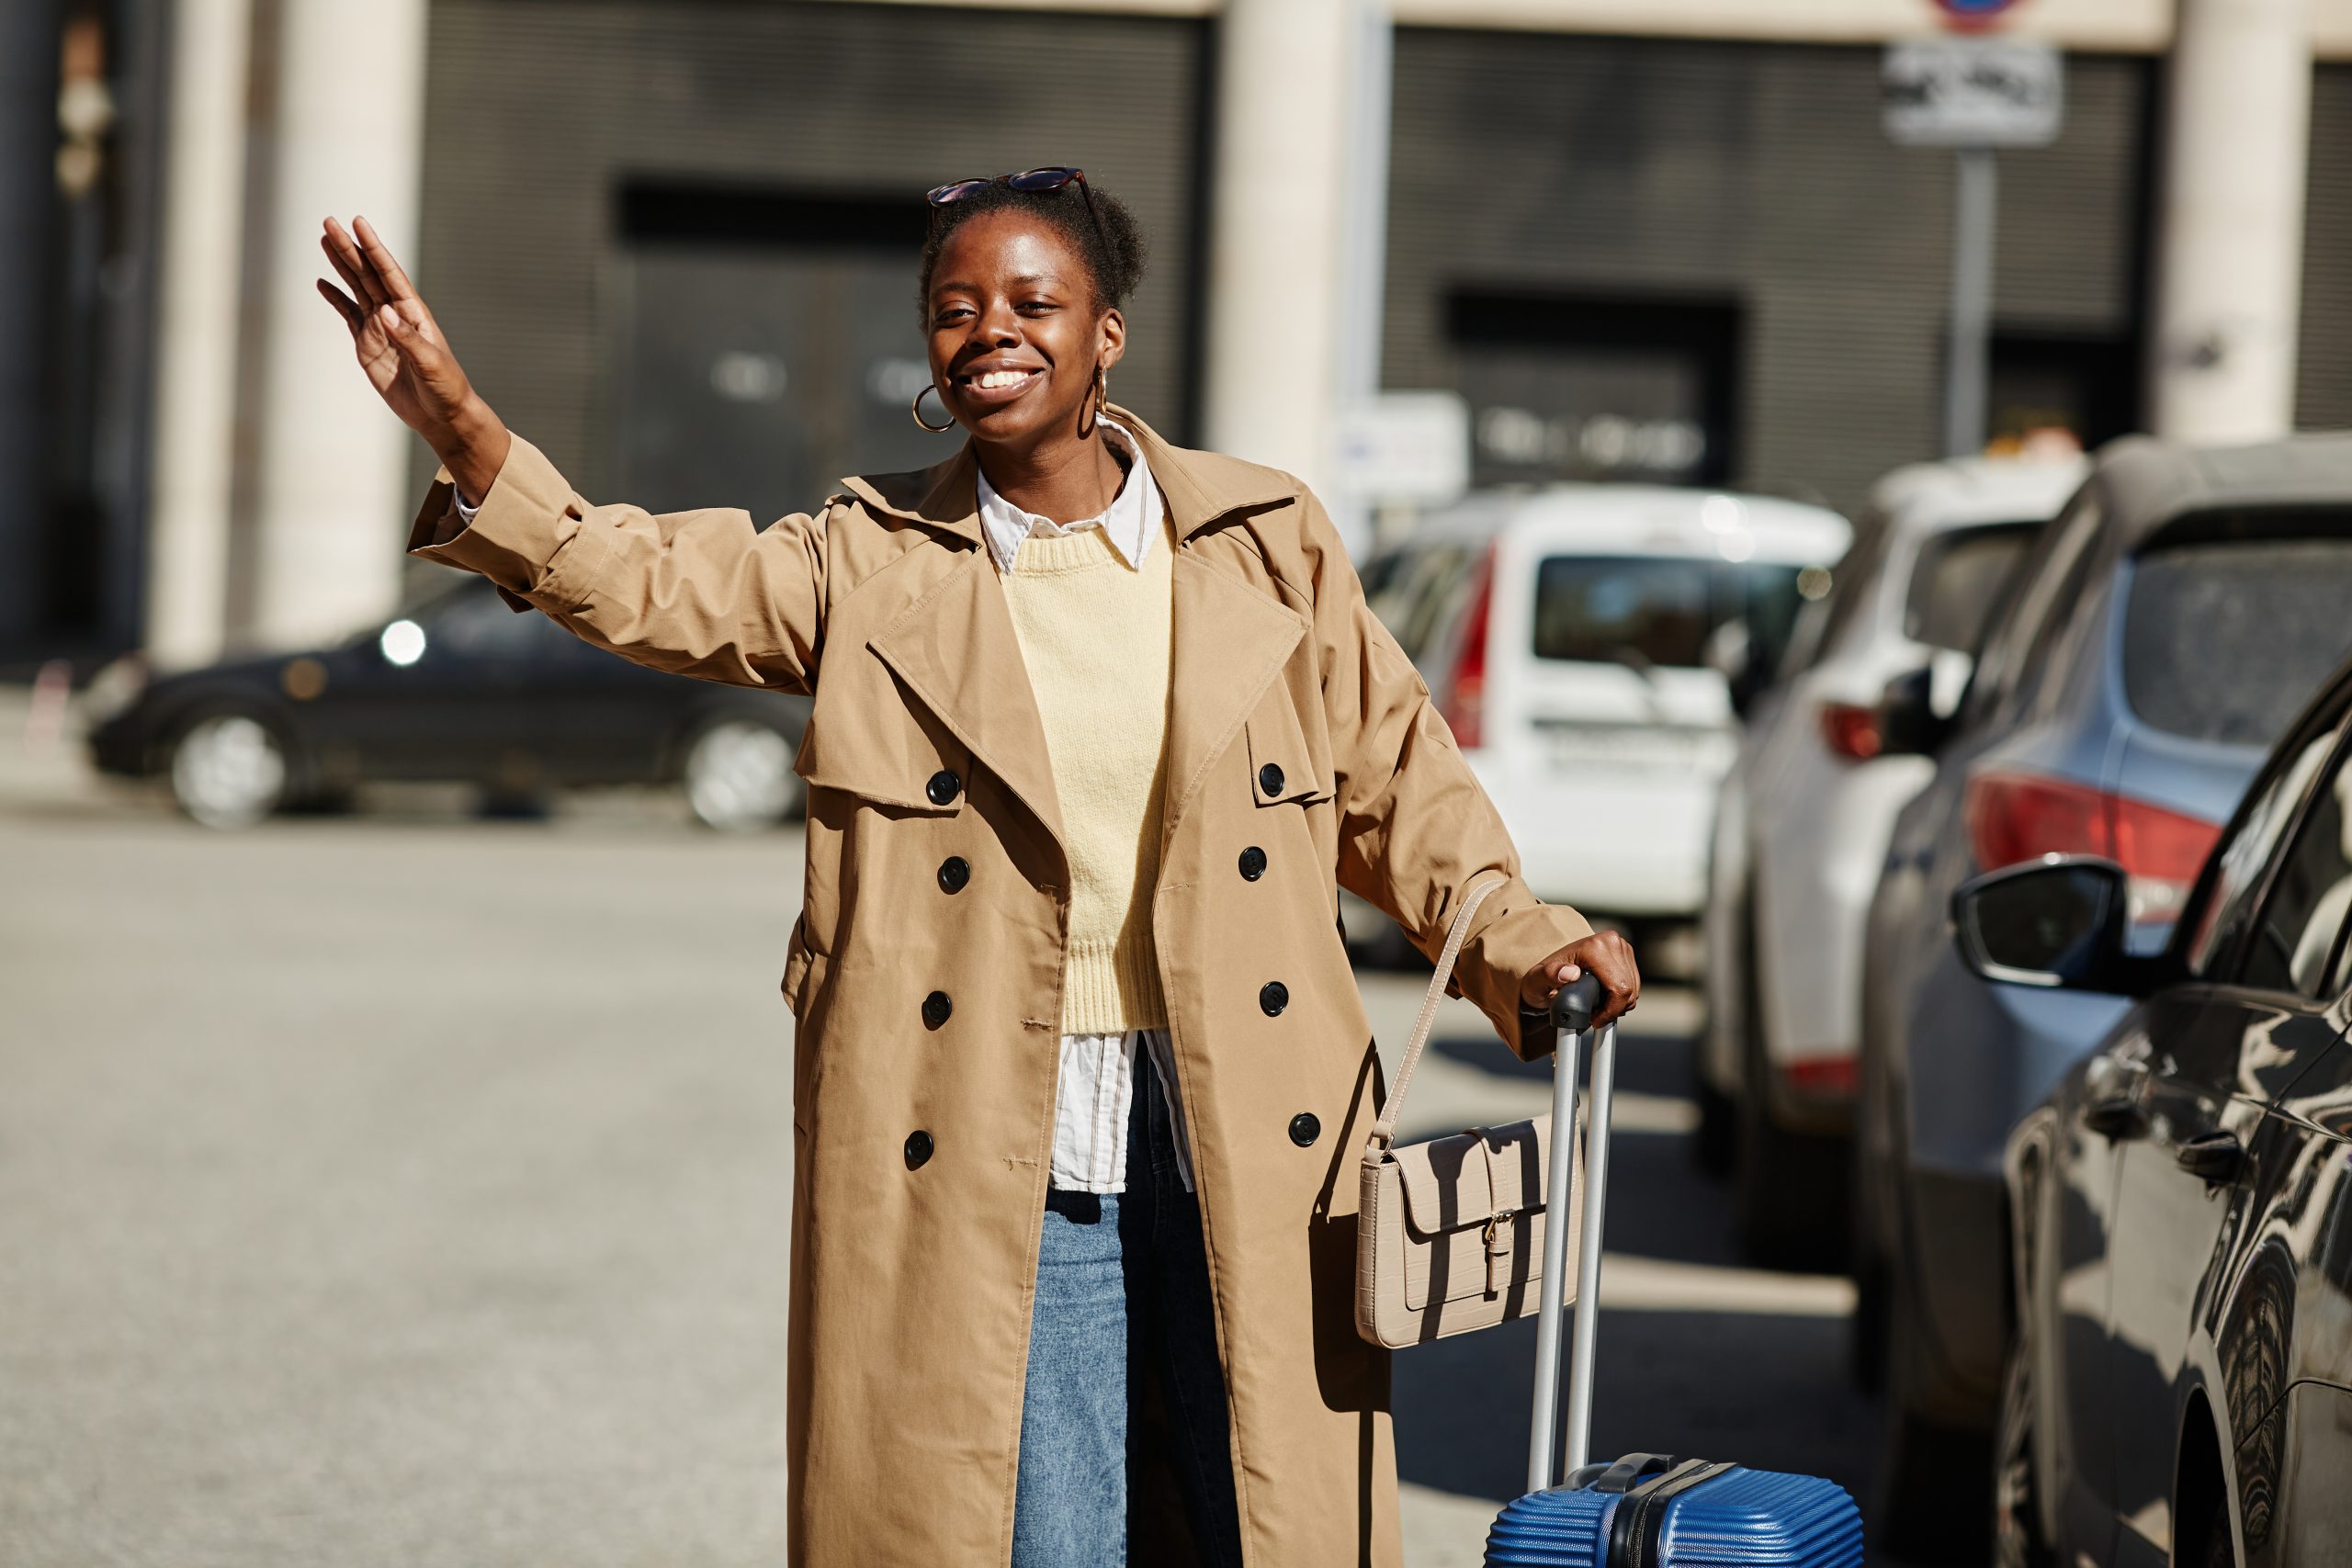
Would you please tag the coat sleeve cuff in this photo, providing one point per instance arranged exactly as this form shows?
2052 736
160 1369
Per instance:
1498 959
527 532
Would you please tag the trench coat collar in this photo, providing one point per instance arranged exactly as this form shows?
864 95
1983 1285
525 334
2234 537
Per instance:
958 653
1201 488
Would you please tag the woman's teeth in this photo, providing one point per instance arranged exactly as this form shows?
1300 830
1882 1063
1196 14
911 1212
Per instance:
1001 378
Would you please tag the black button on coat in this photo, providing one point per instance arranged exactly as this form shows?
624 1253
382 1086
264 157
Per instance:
1273 996
1253 863
935 1009
944 786
954 872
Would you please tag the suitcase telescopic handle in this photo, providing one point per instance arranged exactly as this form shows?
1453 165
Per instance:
1572 1013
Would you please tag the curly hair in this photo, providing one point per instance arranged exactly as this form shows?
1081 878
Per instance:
1113 250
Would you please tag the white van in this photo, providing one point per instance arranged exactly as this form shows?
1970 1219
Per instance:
1581 639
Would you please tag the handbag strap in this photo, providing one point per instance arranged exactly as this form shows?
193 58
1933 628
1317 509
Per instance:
1384 1132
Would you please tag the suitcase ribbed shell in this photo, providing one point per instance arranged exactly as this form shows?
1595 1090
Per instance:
1742 1518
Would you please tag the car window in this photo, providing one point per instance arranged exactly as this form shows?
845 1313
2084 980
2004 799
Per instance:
2224 640
2058 553
1661 610
1853 587
2294 941
481 626
2226 913
1417 591
1958 580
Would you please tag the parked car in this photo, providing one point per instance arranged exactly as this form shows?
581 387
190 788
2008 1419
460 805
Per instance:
1801 829
2160 638
2177 1384
1585 642
459 688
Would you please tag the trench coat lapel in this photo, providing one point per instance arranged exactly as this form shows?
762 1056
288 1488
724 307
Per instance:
956 651
1230 642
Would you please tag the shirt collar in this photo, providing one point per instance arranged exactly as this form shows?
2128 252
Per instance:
1129 523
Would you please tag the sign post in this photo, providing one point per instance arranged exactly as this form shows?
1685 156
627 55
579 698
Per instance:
1973 92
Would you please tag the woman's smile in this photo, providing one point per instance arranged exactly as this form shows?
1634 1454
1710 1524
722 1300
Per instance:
991 384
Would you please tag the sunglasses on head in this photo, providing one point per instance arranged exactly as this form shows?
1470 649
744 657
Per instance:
1033 182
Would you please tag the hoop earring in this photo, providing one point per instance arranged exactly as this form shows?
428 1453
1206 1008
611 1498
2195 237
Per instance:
1102 397
916 408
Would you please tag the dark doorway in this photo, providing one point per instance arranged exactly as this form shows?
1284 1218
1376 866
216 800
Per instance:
1581 387
2089 386
769 344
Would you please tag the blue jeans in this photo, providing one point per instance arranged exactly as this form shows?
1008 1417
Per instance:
1122 1297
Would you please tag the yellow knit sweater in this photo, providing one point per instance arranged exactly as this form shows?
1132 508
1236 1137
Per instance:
1094 635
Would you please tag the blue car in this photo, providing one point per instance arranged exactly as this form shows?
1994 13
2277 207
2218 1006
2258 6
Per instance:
2159 638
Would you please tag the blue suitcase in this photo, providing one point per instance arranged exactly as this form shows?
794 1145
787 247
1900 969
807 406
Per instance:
1646 1510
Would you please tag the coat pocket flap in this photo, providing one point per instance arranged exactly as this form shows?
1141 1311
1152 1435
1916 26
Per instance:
1284 766
885 753
1454 1183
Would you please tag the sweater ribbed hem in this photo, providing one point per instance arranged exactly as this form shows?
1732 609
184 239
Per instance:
1109 988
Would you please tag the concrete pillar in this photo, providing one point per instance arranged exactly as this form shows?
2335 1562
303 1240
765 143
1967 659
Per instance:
2230 221
196 322
1276 228
331 491
29 59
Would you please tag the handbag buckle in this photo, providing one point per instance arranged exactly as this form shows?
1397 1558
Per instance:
1493 1229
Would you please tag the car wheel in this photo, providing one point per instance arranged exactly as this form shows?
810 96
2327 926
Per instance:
1790 1200
229 770
2018 1539
1715 1145
1866 1336
1933 1479
738 776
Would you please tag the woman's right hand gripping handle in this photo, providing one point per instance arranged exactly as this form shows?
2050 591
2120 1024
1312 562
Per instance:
408 361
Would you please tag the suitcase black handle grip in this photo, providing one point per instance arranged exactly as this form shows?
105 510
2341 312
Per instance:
1630 1471
1572 1008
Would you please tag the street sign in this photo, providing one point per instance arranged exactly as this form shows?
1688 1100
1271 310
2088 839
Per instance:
1973 92
1405 448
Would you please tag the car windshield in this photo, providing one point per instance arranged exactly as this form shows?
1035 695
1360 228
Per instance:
2225 639
1662 610
1958 580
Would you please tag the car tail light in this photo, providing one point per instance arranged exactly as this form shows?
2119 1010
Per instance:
2014 818
1464 707
1850 731
1821 1077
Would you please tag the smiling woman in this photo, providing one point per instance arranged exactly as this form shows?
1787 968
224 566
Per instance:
1099 726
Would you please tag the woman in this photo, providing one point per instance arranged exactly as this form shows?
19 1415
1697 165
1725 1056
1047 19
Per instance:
1081 1073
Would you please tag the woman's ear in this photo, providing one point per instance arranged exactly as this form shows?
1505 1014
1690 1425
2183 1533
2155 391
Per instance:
1113 339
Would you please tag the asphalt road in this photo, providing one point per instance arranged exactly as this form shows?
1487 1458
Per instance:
410 1189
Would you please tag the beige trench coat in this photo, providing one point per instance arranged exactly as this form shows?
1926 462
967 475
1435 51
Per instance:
1296 725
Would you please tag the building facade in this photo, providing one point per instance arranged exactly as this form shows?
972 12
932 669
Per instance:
674 243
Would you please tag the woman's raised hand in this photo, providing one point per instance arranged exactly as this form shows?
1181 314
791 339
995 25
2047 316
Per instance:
407 359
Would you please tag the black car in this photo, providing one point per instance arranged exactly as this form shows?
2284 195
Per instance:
2178 1378
2159 638
459 688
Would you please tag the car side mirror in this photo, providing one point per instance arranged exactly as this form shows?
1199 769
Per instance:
1909 724
2059 922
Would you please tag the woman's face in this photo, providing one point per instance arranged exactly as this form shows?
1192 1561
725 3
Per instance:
1014 335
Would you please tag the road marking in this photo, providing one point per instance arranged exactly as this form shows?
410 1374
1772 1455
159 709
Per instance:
1629 1282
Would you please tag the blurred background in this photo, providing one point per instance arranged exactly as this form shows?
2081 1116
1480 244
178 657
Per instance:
1853 443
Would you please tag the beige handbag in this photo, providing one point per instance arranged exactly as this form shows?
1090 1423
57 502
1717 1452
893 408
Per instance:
1450 1234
